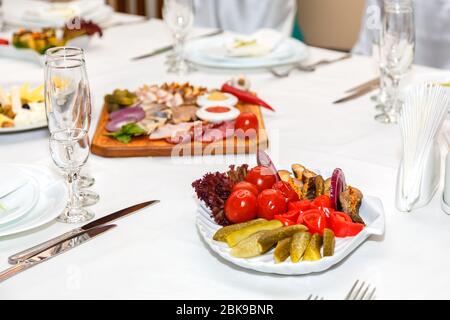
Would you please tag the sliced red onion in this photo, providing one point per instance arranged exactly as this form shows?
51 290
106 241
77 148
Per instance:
263 159
137 112
117 123
338 185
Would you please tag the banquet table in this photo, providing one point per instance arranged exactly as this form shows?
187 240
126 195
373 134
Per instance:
158 252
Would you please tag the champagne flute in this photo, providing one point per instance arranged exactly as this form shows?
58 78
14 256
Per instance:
87 197
179 17
68 107
69 149
397 52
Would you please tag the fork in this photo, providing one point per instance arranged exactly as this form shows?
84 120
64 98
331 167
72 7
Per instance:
307 68
312 297
361 291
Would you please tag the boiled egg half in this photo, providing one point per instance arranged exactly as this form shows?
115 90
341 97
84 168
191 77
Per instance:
218 113
217 98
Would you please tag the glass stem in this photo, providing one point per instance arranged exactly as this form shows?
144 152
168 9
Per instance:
72 182
178 46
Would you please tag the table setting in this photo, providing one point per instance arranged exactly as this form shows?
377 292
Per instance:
216 165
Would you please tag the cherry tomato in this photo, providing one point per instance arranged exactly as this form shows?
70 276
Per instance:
287 191
244 185
262 177
343 226
241 206
289 218
248 123
315 220
301 205
271 202
322 201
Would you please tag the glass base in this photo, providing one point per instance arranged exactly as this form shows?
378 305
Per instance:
180 67
85 181
88 198
380 107
387 118
75 215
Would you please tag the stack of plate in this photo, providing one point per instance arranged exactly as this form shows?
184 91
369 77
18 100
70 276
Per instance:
30 196
39 14
214 52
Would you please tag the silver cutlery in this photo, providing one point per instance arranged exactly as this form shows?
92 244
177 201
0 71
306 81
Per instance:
364 85
361 291
30 252
357 94
54 251
170 47
12 189
307 68
312 297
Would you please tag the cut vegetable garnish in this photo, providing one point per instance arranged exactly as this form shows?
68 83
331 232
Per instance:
338 185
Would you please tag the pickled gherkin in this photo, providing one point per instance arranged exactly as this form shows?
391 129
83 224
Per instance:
329 242
249 247
270 238
312 252
282 250
237 236
222 233
300 242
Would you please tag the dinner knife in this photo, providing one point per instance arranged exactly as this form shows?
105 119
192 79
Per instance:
364 85
24 255
169 47
356 94
55 250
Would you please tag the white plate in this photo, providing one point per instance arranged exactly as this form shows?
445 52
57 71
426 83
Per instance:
52 200
371 211
32 56
33 126
296 52
21 201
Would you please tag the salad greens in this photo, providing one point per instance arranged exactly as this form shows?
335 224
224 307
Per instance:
127 132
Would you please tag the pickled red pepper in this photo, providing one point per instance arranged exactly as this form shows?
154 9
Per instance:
245 96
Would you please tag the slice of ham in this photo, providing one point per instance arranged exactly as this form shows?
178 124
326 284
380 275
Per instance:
197 131
218 132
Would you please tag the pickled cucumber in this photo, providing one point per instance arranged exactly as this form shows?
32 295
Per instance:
312 252
270 238
235 237
249 247
222 233
300 242
329 242
282 250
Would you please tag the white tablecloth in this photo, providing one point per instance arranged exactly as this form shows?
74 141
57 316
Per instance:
158 252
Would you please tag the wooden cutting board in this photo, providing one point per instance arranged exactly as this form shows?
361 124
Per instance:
143 147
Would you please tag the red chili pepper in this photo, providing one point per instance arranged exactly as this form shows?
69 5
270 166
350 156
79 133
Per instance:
245 96
342 225
4 42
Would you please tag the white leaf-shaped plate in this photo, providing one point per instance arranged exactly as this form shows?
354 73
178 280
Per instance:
371 211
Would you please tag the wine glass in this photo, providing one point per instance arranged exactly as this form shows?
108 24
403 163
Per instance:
70 150
68 107
87 197
179 17
397 52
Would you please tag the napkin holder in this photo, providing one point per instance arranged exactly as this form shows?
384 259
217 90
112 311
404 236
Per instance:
428 181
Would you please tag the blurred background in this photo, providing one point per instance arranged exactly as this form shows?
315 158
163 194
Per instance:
321 23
